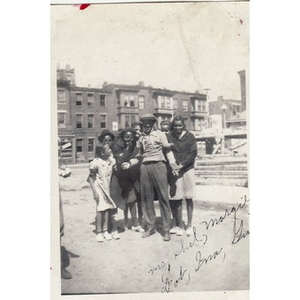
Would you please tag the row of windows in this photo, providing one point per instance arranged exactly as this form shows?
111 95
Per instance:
90 121
90 145
90 99
61 98
131 100
62 120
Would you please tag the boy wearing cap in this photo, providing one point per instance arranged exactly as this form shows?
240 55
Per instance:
154 175
165 126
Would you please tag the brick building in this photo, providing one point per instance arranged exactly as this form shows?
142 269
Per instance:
83 112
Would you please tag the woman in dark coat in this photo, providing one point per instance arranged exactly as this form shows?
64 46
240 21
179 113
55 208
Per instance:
184 148
125 185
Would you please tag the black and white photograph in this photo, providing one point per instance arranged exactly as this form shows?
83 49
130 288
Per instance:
150 150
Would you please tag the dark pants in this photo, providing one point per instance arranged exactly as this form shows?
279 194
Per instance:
154 176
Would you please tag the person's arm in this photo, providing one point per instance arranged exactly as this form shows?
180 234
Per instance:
191 154
164 140
137 157
91 180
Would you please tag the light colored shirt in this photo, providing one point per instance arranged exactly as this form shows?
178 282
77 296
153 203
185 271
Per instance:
152 146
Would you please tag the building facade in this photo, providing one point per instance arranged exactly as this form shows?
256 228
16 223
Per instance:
83 112
225 109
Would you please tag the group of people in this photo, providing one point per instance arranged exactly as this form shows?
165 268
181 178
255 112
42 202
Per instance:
139 166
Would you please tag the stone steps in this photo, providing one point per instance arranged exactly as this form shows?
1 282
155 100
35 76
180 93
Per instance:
222 171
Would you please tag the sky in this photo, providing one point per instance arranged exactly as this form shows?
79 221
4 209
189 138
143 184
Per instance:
178 46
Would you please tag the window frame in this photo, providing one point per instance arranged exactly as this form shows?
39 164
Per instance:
101 122
102 98
64 98
88 121
88 102
77 121
64 112
79 99
141 100
77 141
91 139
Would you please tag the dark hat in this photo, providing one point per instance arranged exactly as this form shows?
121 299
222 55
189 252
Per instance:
127 129
138 123
104 133
148 117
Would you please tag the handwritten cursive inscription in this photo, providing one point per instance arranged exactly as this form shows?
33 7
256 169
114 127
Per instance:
207 259
167 281
227 212
239 234
158 267
184 248
182 273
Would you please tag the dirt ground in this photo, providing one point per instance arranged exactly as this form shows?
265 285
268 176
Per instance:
215 258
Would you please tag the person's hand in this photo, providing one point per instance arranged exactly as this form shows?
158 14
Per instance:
175 170
125 166
169 145
180 166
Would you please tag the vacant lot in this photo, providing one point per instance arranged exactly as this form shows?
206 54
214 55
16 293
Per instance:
215 258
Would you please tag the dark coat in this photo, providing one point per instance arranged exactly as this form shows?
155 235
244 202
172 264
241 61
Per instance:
184 149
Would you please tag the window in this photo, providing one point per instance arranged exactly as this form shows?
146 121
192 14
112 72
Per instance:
79 145
184 105
165 102
69 76
141 102
90 100
78 99
79 119
168 102
202 106
90 118
132 119
102 121
132 100
161 102
102 100
61 119
127 121
126 100
175 103
91 145
61 96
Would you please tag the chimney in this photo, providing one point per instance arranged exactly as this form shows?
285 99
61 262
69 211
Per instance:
141 83
220 98
104 84
243 89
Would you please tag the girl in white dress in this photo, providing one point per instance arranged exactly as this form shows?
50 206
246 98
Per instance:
100 177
